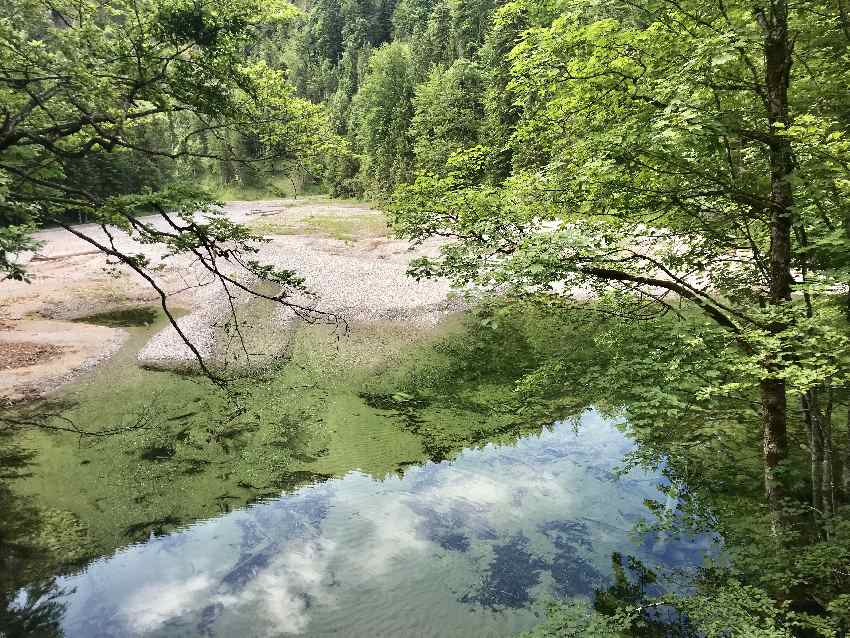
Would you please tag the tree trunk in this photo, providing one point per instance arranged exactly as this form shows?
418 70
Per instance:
846 464
819 424
777 54
775 444
847 302
828 474
815 450
226 168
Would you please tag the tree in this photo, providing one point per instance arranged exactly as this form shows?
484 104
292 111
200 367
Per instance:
381 115
325 29
680 151
433 46
502 111
410 17
470 20
448 114
85 84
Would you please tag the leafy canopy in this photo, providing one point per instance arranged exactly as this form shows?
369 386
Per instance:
87 85
642 163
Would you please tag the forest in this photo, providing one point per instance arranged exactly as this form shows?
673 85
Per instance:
652 197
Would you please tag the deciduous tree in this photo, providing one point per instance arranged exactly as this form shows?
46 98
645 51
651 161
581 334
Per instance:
685 152
83 84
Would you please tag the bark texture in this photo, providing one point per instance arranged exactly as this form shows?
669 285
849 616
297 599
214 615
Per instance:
777 56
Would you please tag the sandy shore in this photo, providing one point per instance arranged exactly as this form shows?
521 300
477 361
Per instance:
342 250
52 352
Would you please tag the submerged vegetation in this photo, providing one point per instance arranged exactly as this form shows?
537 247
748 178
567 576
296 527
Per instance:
124 317
382 401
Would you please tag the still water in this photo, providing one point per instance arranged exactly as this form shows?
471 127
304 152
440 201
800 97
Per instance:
467 547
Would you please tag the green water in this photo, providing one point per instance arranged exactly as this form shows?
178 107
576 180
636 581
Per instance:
379 484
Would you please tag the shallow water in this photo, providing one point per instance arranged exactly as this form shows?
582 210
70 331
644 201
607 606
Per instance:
317 512
461 548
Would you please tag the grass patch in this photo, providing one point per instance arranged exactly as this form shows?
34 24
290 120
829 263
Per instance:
272 188
311 199
342 227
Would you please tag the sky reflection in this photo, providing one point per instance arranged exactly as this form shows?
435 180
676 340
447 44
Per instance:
454 548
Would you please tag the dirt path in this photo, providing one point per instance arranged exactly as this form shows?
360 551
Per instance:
342 249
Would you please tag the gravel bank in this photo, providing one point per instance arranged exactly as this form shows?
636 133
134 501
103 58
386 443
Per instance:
359 280
341 249
355 284
75 348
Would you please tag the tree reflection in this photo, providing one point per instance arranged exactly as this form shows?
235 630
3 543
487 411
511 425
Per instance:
35 610
29 596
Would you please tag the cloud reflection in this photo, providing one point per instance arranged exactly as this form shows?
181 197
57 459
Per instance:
283 593
357 554
156 603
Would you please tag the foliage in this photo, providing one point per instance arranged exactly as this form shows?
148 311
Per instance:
667 181
733 610
104 101
650 372
15 240
331 61
382 111
676 153
447 114
470 18
106 106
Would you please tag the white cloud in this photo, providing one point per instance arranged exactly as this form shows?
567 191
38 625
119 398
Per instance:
485 492
153 605
476 489
280 593
393 535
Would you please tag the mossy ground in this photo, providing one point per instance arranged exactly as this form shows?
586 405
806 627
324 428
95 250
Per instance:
276 187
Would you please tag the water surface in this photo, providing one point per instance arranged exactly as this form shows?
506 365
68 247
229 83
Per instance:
460 548
387 484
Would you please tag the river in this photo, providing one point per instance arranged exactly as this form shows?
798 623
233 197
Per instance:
361 516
